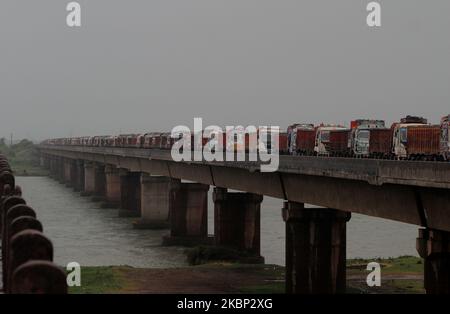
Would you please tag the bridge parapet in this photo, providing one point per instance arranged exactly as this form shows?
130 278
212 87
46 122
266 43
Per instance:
373 171
27 254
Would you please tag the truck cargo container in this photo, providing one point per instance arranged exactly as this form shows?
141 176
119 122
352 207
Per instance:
380 143
423 140
283 143
339 143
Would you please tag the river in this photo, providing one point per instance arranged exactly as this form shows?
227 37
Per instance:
83 232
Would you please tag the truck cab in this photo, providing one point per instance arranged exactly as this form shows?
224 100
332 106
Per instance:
359 140
322 141
400 138
295 131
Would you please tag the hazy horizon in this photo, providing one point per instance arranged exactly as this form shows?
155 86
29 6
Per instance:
138 66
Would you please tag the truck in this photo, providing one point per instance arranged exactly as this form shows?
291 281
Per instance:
415 139
370 138
329 139
445 137
300 139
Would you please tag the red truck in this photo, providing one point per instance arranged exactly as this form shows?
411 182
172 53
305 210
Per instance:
414 139
301 139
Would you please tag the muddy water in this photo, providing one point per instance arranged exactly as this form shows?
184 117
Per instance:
89 235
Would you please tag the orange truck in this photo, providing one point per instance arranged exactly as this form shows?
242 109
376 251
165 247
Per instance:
415 139
301 139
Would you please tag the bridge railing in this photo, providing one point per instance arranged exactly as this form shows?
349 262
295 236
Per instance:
27 254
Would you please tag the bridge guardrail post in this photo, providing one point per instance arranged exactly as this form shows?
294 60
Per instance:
12 213
41 277
26 252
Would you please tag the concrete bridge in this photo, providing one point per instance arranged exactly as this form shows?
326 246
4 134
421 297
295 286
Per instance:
147 183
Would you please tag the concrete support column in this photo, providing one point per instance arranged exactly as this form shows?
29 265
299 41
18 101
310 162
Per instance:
130 194
89 179
113 194
156 197
60 170
78 176
52 167
100 183
315 249
67 164
434 247
188 214
47 162
237 220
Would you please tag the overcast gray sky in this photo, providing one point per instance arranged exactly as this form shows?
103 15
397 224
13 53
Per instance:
143 65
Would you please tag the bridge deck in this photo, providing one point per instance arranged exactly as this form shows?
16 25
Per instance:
373 171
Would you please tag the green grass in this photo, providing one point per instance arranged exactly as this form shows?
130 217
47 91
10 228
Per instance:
26 168
267 288
102 279
205 254
23 158
120 279
402 264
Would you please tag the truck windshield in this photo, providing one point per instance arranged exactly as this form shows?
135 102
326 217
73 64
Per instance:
325 136
363 135
403 135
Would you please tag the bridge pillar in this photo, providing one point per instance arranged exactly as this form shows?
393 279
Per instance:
52 167
156 194
60 170
188 214
315 249
113 195
434 247
89 179
237 220
100 183
130 194
67 164
45 162
78 176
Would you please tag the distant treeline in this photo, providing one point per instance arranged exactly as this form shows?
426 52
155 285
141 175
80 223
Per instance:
22 156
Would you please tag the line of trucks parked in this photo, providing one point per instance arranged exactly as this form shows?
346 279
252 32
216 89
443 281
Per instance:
412 138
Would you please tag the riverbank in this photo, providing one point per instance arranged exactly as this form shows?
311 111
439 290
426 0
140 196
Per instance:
23 158
398 275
